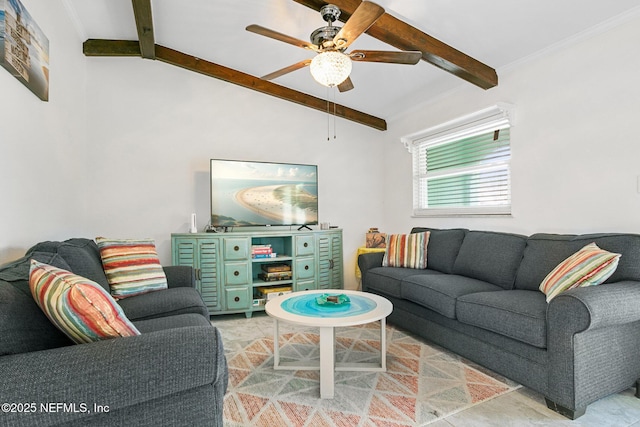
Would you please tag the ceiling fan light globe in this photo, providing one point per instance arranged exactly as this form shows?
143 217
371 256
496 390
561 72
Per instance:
330 68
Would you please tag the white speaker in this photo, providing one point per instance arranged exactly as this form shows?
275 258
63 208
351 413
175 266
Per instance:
193 228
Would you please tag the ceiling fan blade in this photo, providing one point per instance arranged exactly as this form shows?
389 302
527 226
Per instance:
402 35
345 85
363 17
286 70
411 57
281 37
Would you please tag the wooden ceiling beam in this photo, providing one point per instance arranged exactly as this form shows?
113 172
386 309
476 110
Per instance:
94 47
230 75
144 24
403 36
102 47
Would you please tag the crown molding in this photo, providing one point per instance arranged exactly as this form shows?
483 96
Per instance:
597 29
590 32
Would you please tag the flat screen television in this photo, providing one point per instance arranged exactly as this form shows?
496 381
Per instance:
263 194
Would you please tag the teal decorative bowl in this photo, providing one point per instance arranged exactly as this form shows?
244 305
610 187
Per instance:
332 300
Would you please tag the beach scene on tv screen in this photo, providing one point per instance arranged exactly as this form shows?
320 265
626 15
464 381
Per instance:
254 193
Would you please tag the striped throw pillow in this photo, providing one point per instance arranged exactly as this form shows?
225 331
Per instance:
406 250
79 307
132 266
588 267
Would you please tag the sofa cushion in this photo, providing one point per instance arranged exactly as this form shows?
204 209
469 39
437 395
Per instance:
80 308
167 302
439 292
17 272
387 279
517 314
545 251
443 247
80 254
588 267
406 250
171 322
23 326
491 257
132 266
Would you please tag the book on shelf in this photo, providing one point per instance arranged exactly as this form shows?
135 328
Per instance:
261 251
272 277
277 274
272 268
270 255
273 291
260 247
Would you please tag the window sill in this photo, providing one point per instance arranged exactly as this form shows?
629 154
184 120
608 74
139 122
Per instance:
502 211
452 215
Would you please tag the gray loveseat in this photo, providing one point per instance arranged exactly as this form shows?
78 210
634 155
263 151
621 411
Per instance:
174 373
479 297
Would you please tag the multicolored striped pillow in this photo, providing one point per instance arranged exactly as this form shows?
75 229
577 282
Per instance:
132 266
588 267
80 308
406 250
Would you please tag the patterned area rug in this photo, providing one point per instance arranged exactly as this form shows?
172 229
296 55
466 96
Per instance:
422 384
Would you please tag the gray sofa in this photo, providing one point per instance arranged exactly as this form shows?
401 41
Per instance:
174 373
479 297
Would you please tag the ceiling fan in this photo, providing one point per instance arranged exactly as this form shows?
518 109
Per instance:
332 66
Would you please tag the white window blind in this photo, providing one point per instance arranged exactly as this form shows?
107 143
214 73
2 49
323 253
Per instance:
463 167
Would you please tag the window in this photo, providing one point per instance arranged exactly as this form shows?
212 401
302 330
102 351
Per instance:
462 167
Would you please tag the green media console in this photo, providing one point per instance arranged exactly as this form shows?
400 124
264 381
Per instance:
232 279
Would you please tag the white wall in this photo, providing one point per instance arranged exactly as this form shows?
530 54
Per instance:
122 148
153 128
575 144
43 144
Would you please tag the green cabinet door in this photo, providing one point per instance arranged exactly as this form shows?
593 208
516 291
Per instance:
203 255
330 264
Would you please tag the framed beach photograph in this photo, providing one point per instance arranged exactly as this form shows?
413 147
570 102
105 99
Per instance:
24 49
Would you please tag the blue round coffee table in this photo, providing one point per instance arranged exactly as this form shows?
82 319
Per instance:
302 308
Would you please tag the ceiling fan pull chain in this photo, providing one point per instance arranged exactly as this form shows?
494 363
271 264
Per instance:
328 115
334 112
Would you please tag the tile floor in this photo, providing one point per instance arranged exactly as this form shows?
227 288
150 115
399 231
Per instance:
521 407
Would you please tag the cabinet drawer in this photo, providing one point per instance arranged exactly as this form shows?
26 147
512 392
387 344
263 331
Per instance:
236 273
237 298
305 285
236 248
305 268
304 245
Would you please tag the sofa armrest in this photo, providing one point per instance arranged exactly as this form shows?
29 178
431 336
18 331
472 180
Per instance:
368 261
595 307
592 342
116 373
180 276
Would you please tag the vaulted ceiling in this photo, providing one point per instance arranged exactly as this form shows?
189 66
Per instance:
209 37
